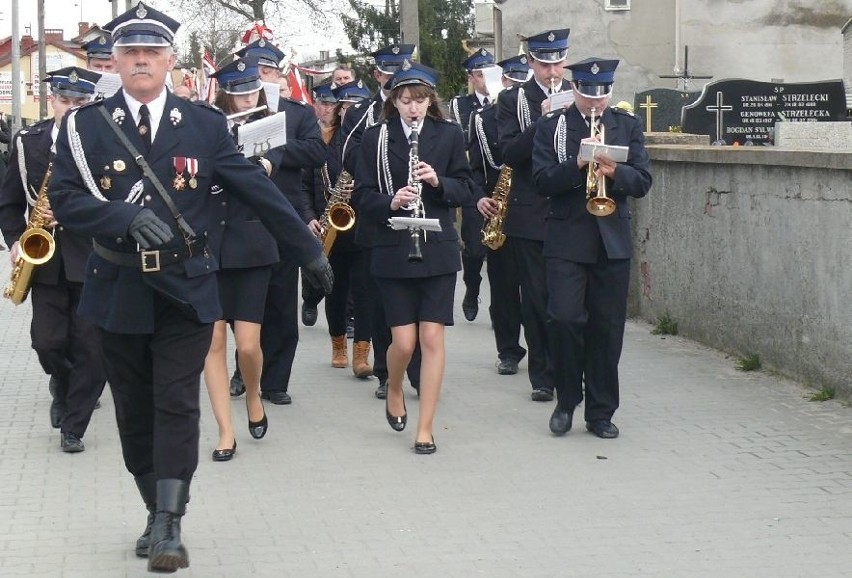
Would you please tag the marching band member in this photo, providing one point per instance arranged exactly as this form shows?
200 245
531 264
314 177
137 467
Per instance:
503 280
150 282
99 54
417 296
518 109
66 343
305 149
358 118
245 251
588 256
345 255
461 110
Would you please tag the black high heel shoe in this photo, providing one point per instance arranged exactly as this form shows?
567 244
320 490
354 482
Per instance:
226 454
397 423
425 447
257 429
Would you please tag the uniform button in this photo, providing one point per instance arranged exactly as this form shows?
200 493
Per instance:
61 228
147 197
95 271
224 203
106 168
222 223
119 240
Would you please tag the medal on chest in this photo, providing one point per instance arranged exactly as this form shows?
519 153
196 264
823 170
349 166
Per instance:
192 167
179 182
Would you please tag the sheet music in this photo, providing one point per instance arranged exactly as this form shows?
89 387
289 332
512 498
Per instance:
272 95
562 99
399 223
589 149
108 84
257 138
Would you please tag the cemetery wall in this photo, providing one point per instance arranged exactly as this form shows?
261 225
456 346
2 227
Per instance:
748 249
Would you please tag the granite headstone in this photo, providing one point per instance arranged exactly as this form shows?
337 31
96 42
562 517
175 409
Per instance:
742 111
660 108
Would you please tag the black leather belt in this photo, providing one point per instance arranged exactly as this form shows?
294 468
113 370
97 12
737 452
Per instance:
150 261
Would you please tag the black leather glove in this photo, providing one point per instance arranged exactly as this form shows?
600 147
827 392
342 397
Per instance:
319 274
149 230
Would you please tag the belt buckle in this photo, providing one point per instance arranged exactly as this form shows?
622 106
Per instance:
147 267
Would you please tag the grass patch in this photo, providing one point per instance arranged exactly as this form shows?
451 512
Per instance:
665 326
750 362
825 394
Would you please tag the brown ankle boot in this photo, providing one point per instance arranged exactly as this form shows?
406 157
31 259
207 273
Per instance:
339 356
360 359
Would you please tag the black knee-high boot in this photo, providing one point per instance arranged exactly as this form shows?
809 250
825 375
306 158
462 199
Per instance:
167 553
147 485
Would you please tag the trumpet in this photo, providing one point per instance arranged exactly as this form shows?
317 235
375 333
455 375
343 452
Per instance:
598 204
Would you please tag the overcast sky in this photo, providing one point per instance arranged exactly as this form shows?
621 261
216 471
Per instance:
299 33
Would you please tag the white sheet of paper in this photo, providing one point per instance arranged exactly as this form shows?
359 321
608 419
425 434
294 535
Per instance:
108 84
272 95
562 99
399 223
589 149
257 138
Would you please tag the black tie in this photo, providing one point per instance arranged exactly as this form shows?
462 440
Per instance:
144 127
485 101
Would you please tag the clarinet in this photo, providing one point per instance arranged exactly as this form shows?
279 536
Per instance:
415 206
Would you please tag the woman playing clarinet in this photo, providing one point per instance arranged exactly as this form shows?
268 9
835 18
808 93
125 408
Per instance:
413 164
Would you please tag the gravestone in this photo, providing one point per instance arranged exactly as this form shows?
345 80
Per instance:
742 111
660 108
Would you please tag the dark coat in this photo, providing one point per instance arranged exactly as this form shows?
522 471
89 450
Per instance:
525 217
461 109
355 122
121 299
441 145
72 250
483 145
573 232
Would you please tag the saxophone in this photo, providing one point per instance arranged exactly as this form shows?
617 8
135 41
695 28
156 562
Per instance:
338 215
492 231
36 246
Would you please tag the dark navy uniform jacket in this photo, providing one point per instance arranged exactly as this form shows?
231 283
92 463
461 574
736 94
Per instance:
441 145
90 156
572 232
359 117
237 237
305 149
525 216
484 150
72 250
461 109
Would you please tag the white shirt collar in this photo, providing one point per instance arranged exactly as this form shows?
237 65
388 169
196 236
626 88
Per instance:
155 110
481 98
54 133
405 128
546 89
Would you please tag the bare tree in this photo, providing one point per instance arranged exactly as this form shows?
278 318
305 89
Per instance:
252 10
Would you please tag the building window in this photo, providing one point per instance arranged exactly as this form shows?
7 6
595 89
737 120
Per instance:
617 5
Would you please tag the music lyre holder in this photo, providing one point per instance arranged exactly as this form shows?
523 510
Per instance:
685 76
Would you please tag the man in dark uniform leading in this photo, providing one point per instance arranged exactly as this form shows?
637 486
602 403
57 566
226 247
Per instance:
461 111
67 345
304 150
588 256
518 109
150 283
486 163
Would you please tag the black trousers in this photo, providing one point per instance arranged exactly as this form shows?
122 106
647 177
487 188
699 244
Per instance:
69 350
279 334
155 381
528 257
473 253
381 333
349 281
505 306
587 312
